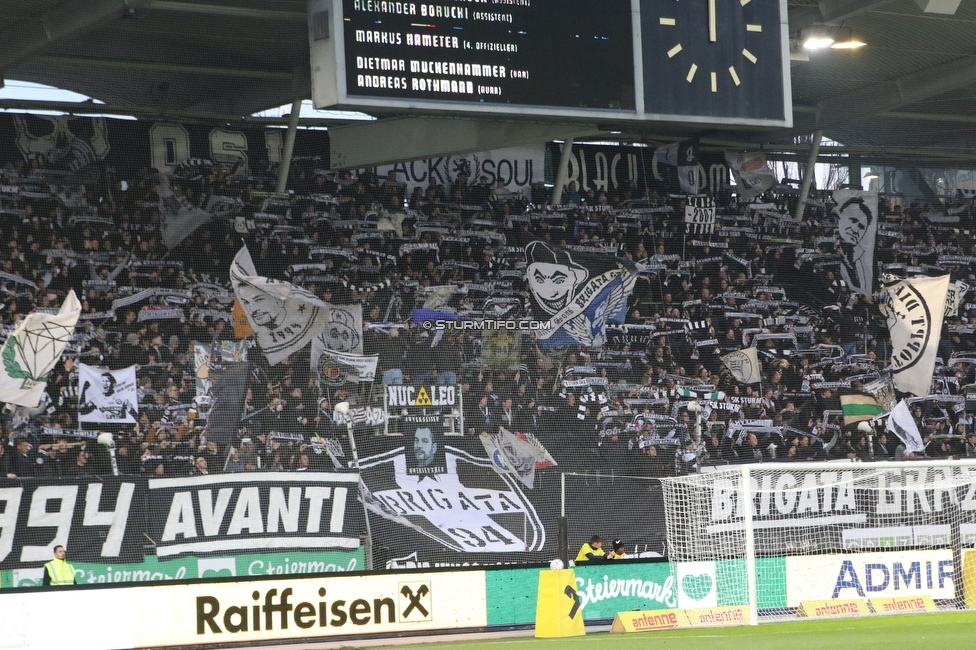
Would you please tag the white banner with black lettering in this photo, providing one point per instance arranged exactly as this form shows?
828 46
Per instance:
913 309
234 512
107 396
335 368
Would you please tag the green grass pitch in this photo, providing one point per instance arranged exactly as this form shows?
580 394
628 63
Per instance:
942 631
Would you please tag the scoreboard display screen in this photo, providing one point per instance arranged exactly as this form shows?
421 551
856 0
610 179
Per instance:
558 53
553 58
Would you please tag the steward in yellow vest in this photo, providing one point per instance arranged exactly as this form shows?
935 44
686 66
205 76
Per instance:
58 572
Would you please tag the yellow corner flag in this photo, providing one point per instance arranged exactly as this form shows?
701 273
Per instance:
559 610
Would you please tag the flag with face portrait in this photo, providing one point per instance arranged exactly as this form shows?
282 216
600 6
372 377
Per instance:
857 227
576 294
284 317
107 396
913 310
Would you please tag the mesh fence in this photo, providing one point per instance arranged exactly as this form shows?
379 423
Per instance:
386 368
820 534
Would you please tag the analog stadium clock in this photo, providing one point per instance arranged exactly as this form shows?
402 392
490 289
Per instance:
720 60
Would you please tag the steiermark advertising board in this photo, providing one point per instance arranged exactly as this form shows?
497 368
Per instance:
153 569
608 588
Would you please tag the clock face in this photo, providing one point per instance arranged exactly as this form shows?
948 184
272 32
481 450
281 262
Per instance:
719 59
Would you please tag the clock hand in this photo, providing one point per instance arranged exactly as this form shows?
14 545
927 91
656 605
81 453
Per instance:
712 36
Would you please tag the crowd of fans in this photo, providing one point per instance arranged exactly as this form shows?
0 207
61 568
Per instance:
761 278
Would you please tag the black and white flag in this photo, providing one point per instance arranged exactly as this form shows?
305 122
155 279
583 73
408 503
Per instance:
345 329
744 365
857 227
913 309
284 317
107 396
515 453
901 423
752 175
178 218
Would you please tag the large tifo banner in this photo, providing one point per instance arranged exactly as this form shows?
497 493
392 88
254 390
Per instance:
437 500
110 520
85 146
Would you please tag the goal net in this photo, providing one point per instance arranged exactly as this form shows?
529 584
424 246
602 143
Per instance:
888 536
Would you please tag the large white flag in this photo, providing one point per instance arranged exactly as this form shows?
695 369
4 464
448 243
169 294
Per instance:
744 365
178 218
902 424
284 317
857 227
751 173
913 309
107 396
516 453
32 350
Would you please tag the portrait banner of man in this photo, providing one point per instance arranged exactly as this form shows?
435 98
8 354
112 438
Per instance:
577 293
284 317
857 227
425 449
108 396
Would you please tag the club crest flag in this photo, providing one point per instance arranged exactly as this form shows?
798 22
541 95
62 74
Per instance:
32 350
520 454
284 317
335 368
913 309
858 408
857 228
744 365
901 423
576 293
107 396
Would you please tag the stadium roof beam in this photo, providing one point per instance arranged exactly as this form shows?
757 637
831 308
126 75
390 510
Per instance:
91 108
224 10
175 68
28 37
837 11
416 138
893 93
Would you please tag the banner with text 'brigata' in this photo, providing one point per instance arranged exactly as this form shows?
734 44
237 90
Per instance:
436 500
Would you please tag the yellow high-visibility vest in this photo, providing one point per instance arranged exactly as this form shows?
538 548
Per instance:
62 574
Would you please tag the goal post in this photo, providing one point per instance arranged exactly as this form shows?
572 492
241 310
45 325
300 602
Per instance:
775 535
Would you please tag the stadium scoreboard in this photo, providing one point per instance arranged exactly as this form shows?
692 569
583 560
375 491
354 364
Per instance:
706 61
